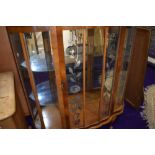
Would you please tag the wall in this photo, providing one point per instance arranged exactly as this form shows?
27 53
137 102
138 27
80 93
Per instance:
7 63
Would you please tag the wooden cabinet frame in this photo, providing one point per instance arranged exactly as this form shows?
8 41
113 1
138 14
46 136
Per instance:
56 40
134 93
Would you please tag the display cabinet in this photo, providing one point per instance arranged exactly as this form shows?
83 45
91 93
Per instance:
73 77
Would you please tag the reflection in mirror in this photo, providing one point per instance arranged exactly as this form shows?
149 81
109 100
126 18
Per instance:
73 50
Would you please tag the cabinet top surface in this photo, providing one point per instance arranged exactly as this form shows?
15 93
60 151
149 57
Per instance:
7 95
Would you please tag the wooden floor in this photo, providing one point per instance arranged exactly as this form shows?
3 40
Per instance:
51 114
51 117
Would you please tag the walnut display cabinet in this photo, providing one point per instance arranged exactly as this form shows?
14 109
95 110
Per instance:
73 77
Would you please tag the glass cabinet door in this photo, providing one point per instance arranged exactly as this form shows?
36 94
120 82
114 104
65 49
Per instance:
83 52
34 59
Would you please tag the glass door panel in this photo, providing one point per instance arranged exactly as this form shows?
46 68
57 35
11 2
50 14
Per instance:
94 63
19 57
73 52
111 56
125 63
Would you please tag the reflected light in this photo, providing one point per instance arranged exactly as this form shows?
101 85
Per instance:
40 97
33 67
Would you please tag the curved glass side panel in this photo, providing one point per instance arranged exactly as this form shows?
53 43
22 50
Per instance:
39 50
19 57
111 55
124 70
40 59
